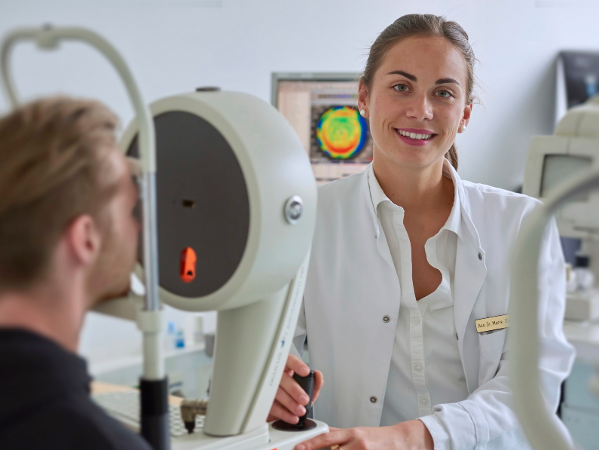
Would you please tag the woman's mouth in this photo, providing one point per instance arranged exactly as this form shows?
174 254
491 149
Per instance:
415 137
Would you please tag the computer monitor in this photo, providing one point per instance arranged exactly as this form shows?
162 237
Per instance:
553 159
576 79
322 108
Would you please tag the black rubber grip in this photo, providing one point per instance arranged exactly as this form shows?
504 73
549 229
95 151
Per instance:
154 396
308 384
154 413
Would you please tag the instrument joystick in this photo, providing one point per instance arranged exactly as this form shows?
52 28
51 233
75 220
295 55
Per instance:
308 384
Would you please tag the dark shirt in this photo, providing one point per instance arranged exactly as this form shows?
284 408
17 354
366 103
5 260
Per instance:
45 400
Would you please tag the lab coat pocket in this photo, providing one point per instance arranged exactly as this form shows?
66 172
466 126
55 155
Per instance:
491 346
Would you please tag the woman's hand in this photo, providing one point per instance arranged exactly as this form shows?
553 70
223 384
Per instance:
290 400
411 435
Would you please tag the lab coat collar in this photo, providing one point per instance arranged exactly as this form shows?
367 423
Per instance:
471 236
377 196
376 193
453 223
366 189
373 198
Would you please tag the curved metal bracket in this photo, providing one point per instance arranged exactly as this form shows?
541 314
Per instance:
539 424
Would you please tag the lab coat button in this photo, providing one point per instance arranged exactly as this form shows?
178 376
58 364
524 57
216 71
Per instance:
480 256
424 401
416 320
386 319
418 367
373 399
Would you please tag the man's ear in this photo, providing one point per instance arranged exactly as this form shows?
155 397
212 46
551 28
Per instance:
83 239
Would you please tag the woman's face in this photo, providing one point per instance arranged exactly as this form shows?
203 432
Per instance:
417 101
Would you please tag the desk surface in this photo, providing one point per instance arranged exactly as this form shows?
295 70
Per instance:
98 387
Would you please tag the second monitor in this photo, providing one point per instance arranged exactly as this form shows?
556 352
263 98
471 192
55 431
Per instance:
322 108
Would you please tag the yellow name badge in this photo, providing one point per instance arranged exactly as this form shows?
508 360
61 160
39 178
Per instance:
492 323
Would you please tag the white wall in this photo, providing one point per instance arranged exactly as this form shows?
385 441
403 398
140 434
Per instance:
107 338
175 46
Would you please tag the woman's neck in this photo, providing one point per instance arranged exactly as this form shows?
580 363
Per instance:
414 189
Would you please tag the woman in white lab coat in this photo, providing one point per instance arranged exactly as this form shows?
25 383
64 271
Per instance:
406 257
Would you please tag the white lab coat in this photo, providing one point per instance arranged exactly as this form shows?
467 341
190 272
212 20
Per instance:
352 284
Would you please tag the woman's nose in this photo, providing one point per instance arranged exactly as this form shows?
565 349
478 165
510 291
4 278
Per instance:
419 108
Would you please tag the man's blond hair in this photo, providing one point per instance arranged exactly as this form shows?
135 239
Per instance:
52 170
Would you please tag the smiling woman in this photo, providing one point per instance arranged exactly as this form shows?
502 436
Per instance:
391 322
427 25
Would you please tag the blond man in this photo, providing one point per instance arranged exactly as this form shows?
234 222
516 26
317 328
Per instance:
68 240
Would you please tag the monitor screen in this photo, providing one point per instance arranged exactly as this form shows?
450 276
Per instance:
558 168
323 110
581 76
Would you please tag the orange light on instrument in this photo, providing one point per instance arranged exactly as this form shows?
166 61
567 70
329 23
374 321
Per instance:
187 265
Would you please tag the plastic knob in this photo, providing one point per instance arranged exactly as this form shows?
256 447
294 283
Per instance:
308 384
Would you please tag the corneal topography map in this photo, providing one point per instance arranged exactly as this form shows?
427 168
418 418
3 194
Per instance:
342 132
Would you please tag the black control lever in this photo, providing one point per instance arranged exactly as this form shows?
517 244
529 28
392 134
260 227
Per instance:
308 384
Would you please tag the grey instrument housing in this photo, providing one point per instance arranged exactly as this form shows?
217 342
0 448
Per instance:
202 203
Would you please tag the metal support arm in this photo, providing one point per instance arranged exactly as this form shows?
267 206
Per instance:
540 424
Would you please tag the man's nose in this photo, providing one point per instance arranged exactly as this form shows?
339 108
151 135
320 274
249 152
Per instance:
420 108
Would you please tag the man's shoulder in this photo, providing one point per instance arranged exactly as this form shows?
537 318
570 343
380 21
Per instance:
99 426
71 422
110 430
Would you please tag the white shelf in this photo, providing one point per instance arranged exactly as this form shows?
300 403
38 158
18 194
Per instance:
102 366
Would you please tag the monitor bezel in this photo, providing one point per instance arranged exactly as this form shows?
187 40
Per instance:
276 77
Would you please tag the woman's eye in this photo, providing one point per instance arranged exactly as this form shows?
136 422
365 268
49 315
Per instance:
444 94
401 87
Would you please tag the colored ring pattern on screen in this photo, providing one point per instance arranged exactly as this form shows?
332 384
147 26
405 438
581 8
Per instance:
342 132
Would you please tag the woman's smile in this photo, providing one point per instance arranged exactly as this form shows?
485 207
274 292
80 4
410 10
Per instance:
415 136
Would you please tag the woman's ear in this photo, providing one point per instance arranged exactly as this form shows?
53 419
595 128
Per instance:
363 98
467 114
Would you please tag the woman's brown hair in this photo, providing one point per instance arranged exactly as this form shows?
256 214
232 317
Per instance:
413 25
